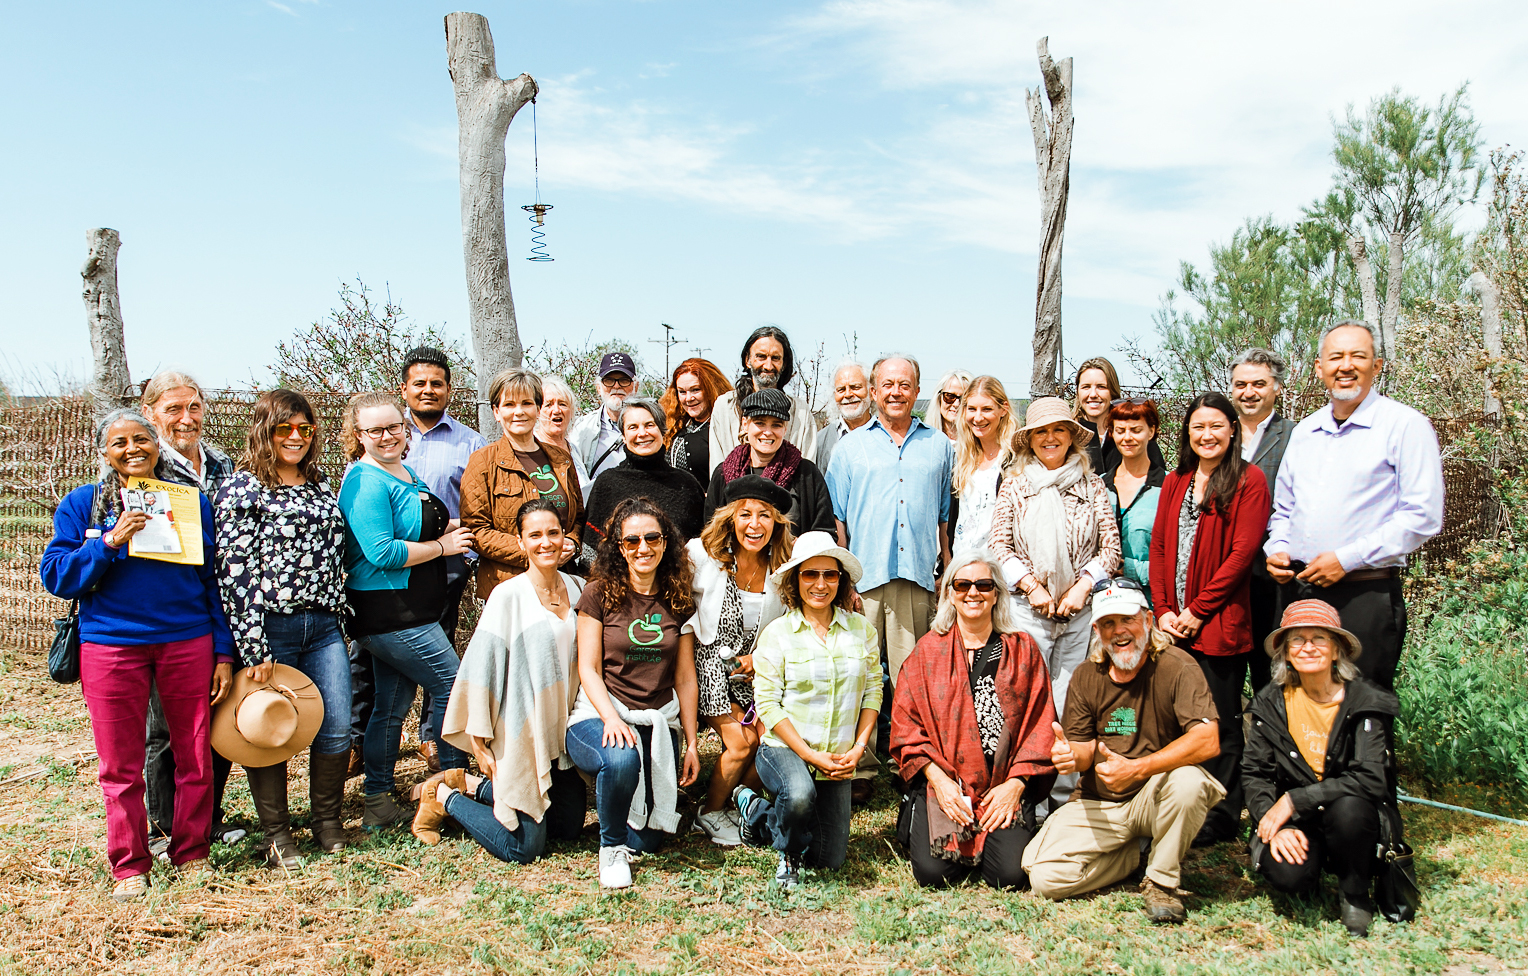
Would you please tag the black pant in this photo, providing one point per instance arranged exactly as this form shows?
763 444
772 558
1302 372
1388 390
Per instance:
363 690
1373 611
1002 854
159 773
1342 838
1225 675
1265 620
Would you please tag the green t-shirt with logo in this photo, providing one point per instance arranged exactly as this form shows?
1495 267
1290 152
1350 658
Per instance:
640 639
1163 701
539 467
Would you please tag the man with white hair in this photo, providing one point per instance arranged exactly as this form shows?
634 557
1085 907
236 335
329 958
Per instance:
597 435
1360 489
851 391
1139 721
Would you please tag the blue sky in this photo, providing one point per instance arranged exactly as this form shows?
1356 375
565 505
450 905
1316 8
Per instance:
834 168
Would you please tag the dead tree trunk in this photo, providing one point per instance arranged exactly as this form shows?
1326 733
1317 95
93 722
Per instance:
1490 323
1365 272
1053 160
110 380
485 105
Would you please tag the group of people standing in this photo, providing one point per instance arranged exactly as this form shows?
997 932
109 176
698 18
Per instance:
1044 630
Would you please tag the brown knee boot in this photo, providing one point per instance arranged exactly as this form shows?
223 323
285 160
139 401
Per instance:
268 788
326 792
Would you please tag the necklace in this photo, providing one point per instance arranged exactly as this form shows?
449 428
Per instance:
553 598
752 581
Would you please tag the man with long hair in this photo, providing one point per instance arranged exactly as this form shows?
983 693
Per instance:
768 362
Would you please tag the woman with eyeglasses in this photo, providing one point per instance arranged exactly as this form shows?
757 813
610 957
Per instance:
983 450
1319 769
281 571
516 469
1135 482
645 473
1209 528
817 689
397 535
971 734
748 538
952 386
1098 391
637 686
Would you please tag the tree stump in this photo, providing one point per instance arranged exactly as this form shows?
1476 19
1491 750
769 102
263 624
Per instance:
110 381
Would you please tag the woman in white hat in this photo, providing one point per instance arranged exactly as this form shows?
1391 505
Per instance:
817 688
1053 531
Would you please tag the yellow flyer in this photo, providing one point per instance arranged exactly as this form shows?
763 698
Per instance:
174 532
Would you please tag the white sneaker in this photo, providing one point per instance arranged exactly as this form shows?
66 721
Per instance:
615 867
720 828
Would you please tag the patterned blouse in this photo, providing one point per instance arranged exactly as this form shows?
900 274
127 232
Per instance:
280 550
1188 530
1092 533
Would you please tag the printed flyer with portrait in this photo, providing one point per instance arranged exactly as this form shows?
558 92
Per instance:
174 530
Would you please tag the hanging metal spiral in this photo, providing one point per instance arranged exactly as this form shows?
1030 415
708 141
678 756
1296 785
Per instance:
538 231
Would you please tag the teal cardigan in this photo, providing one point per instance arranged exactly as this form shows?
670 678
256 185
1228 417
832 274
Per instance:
1135 522
382 515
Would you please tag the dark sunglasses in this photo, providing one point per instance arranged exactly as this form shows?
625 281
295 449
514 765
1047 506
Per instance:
631 543
982 585
813 575
283 431
950 397
1133 401
1120 581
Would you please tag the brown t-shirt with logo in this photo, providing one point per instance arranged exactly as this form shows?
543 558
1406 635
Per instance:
640 639
1163 701
538 467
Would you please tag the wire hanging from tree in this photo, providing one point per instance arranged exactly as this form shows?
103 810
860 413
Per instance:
537 210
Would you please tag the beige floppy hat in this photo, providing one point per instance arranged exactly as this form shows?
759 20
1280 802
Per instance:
265 724
809 544
1044 411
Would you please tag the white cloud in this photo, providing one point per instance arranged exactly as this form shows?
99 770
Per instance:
281 7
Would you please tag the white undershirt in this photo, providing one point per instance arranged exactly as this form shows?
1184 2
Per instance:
1249 444
753 605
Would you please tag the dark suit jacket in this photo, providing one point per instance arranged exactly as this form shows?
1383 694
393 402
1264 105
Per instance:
1268 457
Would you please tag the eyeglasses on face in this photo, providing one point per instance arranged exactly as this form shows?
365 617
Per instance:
1120 581
375 433
305 431
813 575
631 543
949 397
1320 642
962 586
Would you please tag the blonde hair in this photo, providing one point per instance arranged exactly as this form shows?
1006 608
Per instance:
968 451
719 537
359 402
1157 641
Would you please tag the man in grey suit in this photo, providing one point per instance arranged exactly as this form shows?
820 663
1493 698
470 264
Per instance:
1257 382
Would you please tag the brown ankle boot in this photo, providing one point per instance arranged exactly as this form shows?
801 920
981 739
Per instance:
432 813
326 793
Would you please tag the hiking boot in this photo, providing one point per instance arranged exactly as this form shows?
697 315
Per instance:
1354 916
788 872
747 802
130 887
719 827
615 867
383 811
1162 906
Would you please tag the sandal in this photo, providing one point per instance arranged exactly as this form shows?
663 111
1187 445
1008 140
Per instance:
130 887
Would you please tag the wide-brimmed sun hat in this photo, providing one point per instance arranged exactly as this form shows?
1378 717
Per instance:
262 724
1312 613
811 544
1044 411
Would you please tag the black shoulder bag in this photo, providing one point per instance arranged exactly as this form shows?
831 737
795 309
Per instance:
1395 873
64 654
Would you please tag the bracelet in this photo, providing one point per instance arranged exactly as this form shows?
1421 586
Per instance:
442 548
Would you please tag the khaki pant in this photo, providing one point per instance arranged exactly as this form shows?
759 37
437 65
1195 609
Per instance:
900 611
1088 844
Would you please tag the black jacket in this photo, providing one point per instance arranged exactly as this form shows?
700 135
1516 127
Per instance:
811 506
1360 755
1105 456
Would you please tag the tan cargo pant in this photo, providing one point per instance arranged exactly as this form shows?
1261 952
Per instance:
1088 844
900 611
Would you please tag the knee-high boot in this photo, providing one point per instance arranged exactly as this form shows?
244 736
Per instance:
268 787
326 792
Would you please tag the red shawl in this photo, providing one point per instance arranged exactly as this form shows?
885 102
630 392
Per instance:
933 720
781 470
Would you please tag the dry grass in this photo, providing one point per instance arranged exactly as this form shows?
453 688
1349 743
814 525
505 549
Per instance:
388 905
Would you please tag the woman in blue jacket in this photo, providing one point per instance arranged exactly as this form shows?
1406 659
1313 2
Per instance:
141 620
397 535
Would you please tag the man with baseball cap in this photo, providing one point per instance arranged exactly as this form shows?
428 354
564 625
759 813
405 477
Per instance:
1139 720
597 435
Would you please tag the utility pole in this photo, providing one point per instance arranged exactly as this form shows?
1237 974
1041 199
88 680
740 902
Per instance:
668 342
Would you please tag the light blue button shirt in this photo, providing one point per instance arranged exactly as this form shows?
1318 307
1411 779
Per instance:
893 500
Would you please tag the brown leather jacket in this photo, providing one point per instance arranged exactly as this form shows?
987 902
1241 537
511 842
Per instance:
494 486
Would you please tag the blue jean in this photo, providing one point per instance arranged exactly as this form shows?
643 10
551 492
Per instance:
416 657
616 769
808 817
311 642
563 820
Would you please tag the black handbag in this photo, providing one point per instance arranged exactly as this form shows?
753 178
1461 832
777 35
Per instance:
1395 874
64 655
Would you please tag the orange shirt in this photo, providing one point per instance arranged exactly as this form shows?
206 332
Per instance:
1310 722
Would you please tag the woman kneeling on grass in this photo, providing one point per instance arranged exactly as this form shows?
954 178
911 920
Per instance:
637 678
971 734
817 688
509 708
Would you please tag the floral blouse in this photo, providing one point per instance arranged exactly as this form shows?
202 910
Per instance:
280 550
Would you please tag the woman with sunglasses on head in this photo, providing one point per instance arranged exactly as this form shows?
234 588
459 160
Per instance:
1135 481
637 685
1209 528
952 386
281 570
748 538
971 734
983 450
645 473
397 535
817 689
1098 390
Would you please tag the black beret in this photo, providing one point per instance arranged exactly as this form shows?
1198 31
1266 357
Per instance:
759 488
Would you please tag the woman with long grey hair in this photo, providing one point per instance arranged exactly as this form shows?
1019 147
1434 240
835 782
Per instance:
142 620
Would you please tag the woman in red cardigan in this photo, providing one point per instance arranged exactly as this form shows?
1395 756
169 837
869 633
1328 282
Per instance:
1211 516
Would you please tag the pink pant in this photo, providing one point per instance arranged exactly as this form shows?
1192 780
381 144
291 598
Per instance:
115 681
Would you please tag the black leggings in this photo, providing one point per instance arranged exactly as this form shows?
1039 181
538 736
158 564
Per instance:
1342 839
1002 854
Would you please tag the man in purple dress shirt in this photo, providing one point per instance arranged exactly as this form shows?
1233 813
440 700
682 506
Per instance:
1360 487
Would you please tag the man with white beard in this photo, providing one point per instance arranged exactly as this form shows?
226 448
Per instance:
768 362
1139 720
851 391
1360 488
597 435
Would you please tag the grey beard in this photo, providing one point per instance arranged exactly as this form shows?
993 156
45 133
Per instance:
764 379
1345 395
612 402
854 412
1128 661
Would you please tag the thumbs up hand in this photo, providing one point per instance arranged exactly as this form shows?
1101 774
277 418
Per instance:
1114 771
1062 756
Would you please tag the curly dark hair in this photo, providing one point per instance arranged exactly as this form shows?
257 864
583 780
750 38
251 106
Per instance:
675 574
790 590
